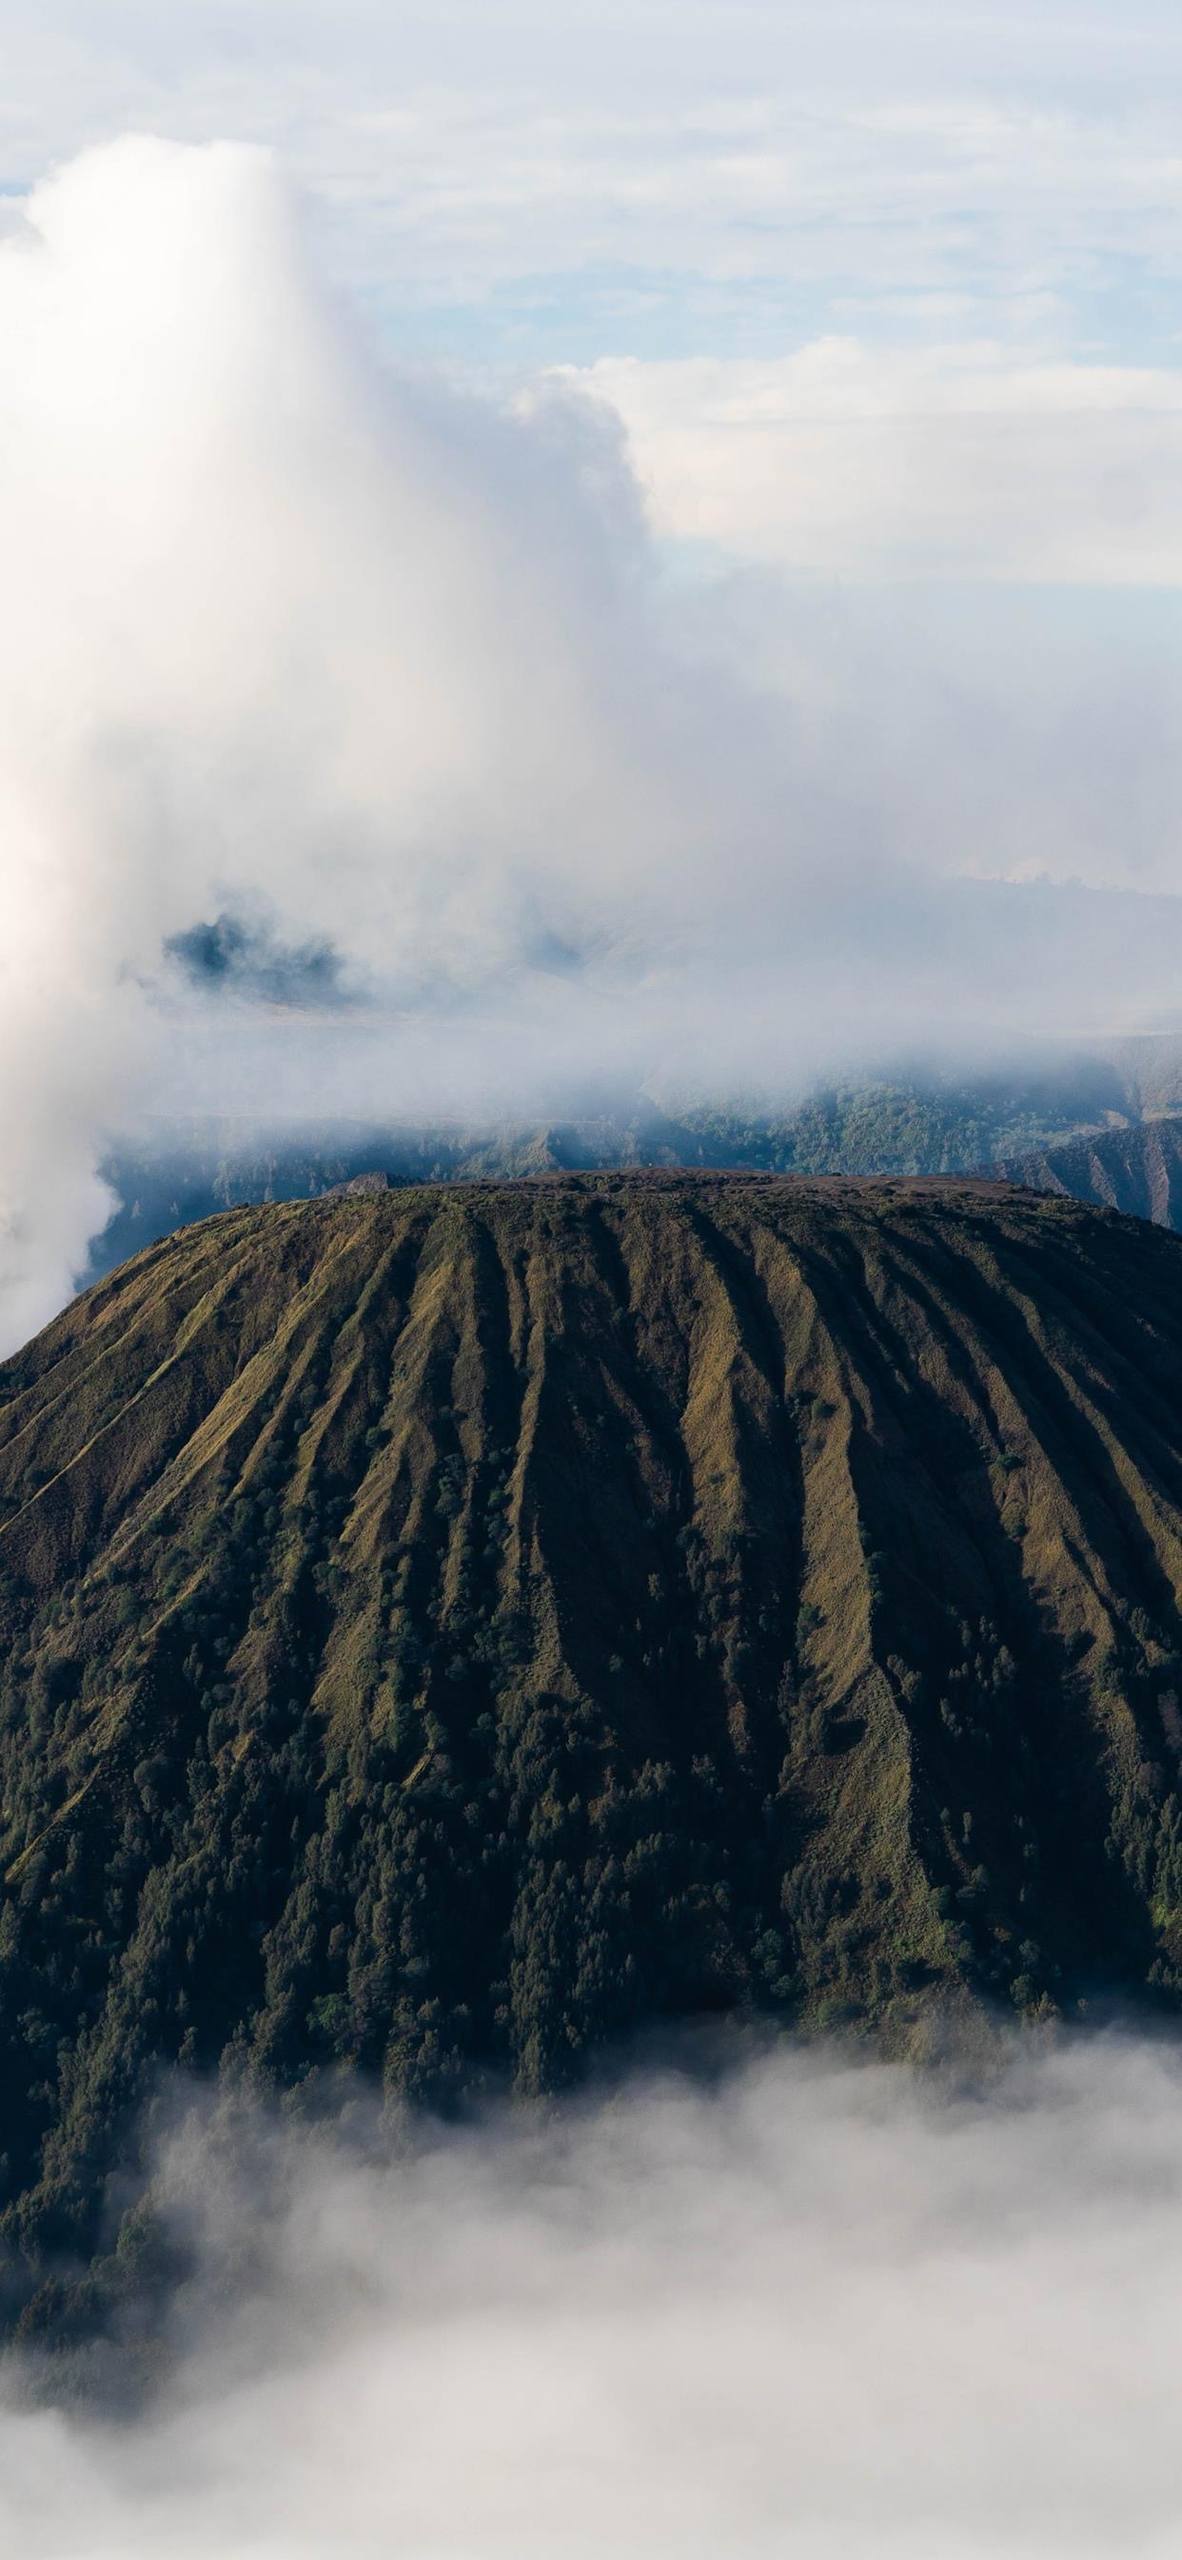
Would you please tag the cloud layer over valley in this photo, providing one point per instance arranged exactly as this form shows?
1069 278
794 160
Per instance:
815 2307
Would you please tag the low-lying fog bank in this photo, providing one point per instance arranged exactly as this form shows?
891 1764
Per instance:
819 2307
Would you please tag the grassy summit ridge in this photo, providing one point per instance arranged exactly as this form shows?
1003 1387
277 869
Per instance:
448 1630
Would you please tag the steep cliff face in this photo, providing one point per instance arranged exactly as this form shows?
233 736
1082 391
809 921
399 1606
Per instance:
446 1631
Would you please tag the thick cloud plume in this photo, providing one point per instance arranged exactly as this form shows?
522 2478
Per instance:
816 2307
281 636
312 667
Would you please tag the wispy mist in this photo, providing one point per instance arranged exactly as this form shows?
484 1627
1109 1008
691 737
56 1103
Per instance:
819 2308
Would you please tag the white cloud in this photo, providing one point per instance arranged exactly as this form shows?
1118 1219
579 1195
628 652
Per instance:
817 2308
957 462
279 629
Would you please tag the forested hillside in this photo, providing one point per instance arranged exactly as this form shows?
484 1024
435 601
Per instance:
1137 1169
906 1123
1088 1125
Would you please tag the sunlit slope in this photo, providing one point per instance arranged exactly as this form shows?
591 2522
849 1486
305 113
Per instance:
446 1631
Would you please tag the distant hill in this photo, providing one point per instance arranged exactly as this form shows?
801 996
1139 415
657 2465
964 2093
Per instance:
1148 1070
1137 1169
448 1631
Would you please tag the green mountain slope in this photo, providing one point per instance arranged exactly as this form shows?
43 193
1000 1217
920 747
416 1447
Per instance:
447 1631
1137 1169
